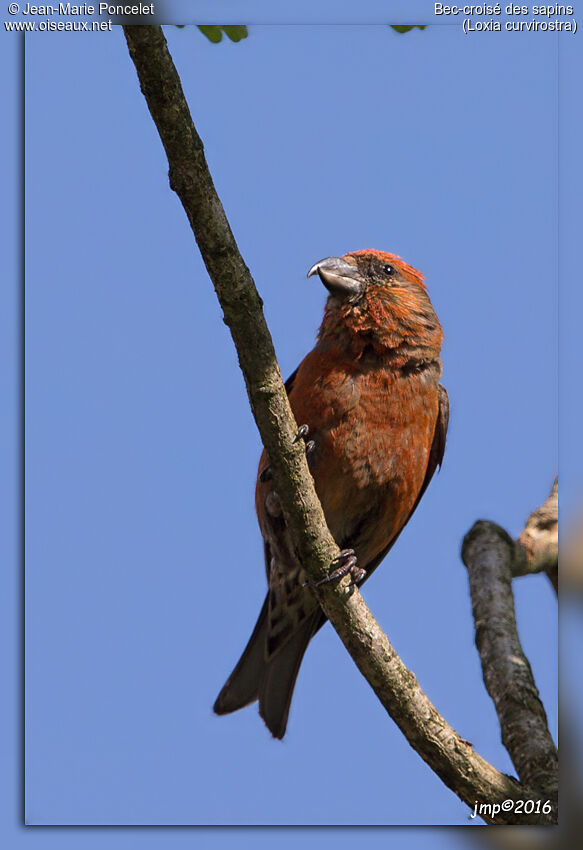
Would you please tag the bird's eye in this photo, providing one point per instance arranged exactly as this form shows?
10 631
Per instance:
389 270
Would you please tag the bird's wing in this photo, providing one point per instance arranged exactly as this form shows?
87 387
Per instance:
438 444
435 460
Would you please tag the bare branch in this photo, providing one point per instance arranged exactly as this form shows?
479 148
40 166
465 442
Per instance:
242 307
452 758
488 552
538 545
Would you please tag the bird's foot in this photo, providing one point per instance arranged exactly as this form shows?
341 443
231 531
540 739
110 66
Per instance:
303 431
347 564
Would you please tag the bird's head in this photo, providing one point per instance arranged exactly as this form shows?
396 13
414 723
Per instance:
376 299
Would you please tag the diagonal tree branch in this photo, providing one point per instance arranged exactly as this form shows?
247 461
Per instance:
242 307
453 759
489 554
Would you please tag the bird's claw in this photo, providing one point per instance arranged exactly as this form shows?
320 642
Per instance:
348 564
303 431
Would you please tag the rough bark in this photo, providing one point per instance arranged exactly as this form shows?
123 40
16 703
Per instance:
538 545
452 758
489 554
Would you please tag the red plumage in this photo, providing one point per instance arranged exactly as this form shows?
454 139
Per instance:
369 392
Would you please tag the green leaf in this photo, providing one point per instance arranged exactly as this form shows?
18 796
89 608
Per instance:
407 27
235 32
214 32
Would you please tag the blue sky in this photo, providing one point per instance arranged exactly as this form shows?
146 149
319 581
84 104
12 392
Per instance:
144 570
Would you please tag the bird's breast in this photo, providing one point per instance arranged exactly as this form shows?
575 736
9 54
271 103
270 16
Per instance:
373 430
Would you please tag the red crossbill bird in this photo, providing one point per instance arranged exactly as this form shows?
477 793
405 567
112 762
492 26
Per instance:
369 397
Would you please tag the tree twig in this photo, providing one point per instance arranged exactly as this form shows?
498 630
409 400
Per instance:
453 759
488 553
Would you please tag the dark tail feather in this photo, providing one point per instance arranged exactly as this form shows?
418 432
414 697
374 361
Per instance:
242 686
271 682
279 679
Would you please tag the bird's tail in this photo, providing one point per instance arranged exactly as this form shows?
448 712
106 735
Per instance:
272 680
